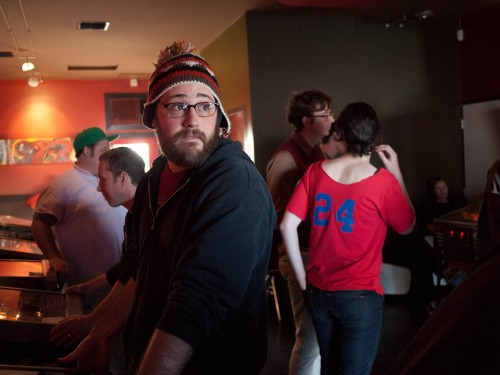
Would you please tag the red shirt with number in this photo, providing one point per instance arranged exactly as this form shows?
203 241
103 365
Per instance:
348 226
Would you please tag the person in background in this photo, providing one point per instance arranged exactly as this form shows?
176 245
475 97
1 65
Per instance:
417 251
329 147
74 227
488 226
437 205
310 115
120 170
349 203
204 222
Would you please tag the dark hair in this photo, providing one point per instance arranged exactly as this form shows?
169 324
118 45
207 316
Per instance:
431 182
304 105
90 147
124 159
359 127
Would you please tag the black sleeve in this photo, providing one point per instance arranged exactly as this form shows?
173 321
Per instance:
124 269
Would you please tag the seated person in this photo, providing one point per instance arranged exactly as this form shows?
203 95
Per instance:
413 252
437 205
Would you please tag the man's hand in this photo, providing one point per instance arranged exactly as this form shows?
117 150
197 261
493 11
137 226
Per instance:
86 288
79 289
92 354
59 265
71 330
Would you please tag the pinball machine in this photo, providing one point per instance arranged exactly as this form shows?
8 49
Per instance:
456 240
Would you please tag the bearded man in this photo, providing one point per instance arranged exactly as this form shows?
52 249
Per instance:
204 223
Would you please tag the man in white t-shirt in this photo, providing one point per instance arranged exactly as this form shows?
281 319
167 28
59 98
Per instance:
75 228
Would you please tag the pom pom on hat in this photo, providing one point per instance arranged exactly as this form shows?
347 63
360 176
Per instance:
177 64
177 48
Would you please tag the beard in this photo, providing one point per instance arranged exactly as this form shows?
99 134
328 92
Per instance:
188 155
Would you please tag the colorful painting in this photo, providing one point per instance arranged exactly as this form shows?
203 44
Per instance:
36 151
3 152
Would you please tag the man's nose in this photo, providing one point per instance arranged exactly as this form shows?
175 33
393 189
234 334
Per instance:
191 119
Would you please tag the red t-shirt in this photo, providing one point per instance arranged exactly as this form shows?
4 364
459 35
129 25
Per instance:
348 226
169 183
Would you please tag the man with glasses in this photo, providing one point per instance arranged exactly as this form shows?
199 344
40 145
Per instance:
310 115
204 223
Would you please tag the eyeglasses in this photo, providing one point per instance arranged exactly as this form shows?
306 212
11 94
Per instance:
203 109
325 116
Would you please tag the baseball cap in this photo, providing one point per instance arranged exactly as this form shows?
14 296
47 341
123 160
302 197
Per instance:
89 137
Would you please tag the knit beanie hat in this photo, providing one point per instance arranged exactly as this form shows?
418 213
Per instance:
178 64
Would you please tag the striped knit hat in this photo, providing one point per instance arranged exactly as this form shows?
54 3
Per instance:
178 64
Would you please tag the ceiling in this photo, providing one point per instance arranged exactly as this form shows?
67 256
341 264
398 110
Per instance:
48 30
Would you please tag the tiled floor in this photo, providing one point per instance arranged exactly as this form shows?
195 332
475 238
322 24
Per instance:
401 322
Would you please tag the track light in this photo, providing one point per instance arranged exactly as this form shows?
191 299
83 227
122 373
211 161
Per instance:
27 65
407 20
424 15
34 81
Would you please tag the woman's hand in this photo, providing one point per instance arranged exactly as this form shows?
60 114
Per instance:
389 158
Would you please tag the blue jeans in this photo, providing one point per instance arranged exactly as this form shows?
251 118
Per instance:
348 326
304 359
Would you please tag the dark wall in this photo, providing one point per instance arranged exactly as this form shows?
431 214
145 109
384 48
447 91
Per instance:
481 56
410 76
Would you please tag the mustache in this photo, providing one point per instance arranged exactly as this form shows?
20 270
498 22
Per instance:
190 133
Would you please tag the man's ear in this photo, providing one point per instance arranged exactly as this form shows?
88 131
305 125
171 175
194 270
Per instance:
306 121
123 176
86 151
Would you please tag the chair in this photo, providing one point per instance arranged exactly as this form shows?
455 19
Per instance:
396 280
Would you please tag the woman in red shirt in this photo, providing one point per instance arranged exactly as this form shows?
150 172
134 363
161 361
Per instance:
350 203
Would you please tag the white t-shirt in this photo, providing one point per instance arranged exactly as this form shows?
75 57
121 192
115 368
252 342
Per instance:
89 232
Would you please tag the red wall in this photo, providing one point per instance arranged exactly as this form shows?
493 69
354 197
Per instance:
55 109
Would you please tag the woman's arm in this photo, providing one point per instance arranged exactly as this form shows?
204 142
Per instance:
390 160
288 228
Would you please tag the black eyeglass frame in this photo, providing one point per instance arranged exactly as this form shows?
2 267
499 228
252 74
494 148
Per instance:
186 108
324 116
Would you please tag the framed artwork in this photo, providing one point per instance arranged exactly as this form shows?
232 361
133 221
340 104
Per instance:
124 111
4 152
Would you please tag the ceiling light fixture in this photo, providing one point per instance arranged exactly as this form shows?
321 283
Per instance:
406 20
27 65
34 81
424 15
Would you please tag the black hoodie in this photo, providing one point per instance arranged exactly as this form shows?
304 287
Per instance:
203 262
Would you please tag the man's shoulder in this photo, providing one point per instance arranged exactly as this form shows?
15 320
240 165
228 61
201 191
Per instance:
63 179
68 173
281 157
